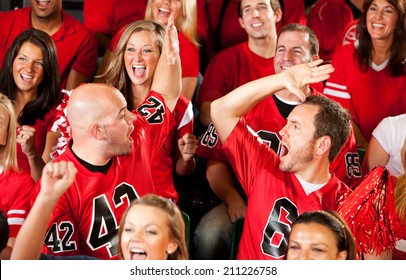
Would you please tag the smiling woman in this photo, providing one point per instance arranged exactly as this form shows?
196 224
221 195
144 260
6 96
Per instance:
152 228
30 79
320 235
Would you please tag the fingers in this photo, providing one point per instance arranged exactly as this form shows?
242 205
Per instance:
60 170
24 133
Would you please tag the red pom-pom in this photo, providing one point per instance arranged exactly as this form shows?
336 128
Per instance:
370 212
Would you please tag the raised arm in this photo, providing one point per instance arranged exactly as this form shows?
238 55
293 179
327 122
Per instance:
227 110
168 79
56 179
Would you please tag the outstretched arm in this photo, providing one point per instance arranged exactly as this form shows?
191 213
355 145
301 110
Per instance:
56 179
167 78
226 111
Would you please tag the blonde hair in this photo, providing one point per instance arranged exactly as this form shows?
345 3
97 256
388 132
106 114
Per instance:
116 74
186 23
400 190
8 152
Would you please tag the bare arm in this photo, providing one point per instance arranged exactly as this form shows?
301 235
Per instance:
56 179
75 79
167 79
187 149
188 87
359 137
375 155
227 110
221 181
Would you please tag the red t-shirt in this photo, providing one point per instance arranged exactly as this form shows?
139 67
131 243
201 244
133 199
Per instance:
230 69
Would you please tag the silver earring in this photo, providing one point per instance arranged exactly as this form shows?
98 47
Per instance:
169 252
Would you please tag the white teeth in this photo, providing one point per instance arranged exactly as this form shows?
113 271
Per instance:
137 251
139 67
377 25
26 76
164 10
256 24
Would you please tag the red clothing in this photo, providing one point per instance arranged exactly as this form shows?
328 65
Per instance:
189 55
348 37
109 16
328 18
231 32
76 45
86 218
370 96
275 198
230 69
163 164
42 127
266 120
15 189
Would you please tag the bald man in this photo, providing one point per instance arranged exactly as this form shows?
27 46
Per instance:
111 150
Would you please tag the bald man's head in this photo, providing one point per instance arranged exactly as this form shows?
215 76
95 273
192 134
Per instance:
90 103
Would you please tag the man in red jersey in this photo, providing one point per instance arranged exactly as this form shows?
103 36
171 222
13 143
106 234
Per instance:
112 149
281 188
296 44
76 45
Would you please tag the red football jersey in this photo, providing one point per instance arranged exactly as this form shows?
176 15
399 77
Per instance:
76 45
370 96
15 189
163 164
275 198
86 218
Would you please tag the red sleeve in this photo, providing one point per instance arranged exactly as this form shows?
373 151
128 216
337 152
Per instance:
86 58
210 146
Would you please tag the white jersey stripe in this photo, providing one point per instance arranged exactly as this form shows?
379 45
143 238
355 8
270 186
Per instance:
337 86
336 93
187 117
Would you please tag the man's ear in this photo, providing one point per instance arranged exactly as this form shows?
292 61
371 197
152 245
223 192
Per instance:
323 145
241 21
278 15
97 131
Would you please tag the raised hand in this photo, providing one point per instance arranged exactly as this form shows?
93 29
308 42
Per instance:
56 178
26 138
303 74
171 41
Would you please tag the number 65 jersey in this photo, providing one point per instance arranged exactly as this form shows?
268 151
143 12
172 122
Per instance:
86 218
